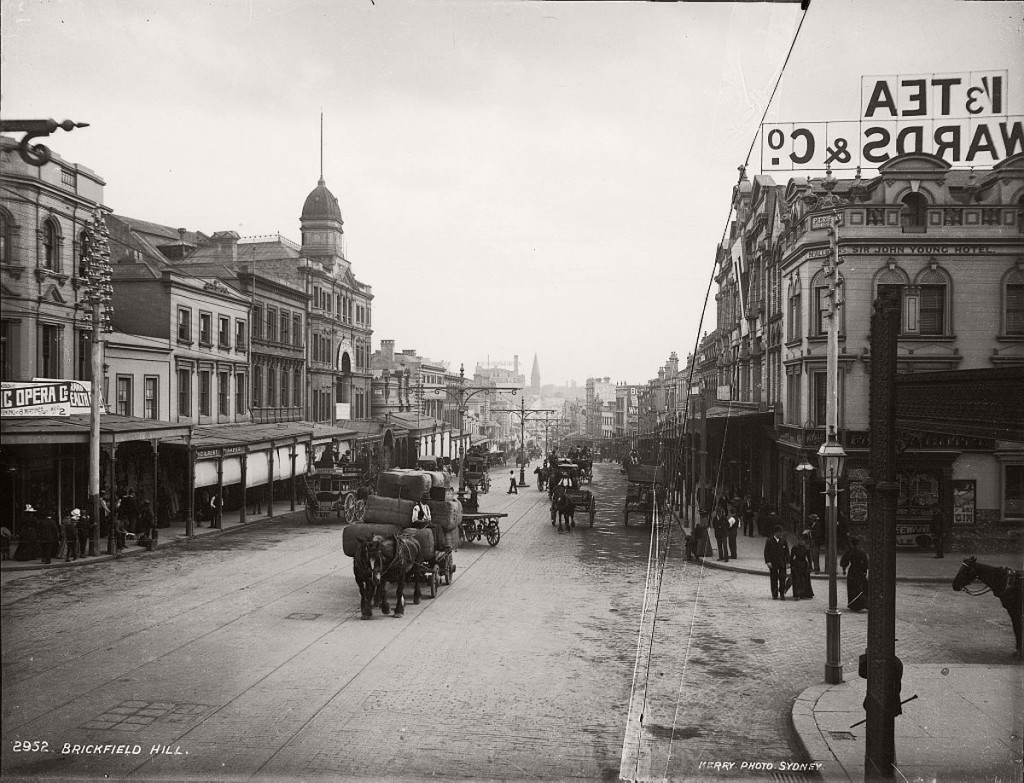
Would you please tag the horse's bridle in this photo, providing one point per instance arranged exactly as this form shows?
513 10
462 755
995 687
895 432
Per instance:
1008 576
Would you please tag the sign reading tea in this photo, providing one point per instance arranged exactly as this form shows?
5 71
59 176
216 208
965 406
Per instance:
962 118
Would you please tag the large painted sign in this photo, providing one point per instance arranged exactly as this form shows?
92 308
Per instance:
43 398
962 118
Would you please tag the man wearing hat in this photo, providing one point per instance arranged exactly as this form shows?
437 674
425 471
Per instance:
813 534
69 534
49 538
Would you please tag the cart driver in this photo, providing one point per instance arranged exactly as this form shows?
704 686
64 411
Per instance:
420 514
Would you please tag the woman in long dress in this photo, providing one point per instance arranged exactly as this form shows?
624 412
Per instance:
855 568
800 568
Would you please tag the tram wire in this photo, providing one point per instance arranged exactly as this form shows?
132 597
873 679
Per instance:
655 524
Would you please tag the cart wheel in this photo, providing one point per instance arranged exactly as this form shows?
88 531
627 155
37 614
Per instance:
593 511
493 536
360 510
448 568
625 518
435 579
462 534
310 515
349 508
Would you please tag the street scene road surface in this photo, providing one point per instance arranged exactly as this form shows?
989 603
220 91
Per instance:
242 656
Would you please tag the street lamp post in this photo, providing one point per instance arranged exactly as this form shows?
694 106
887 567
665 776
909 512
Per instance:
831 459
805 469
523 413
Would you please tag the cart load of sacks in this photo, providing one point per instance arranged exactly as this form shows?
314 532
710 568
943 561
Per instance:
389 512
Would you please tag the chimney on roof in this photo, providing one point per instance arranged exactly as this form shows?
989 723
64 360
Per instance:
227 244
181 236
387 352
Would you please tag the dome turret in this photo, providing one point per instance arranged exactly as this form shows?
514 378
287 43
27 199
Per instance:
321 204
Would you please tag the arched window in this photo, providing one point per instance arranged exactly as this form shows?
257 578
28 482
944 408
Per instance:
83 254
794 330
933 286
346 363
913 216
1013 302
5 237
892 276
822 304
51 245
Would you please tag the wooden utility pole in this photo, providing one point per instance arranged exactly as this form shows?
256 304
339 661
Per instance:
882 699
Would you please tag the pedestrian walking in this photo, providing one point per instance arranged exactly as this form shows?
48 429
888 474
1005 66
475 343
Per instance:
128 510
256 500
147 526
855 568
512 488
733 521
800 569
69 535
49 538
776 556
28 536
938 529
842 531
815 538
720 524
84 530
748 516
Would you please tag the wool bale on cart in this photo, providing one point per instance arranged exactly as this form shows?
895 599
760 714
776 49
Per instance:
360 532
446 513
388 511
404 483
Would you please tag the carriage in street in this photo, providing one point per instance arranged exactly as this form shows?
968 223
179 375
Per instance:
335 492
564 481
646 493
478 525
474 473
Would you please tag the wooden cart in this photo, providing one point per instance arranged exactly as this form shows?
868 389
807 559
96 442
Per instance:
481 524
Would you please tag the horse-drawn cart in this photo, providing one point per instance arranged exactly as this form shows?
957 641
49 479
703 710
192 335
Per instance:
646 492
564 481
480 524
334 491
474 473
437 565
586 470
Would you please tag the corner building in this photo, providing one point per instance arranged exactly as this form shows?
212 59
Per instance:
952 242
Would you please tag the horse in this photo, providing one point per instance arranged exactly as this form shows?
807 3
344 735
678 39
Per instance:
1004 583
382 560
367 566
566 511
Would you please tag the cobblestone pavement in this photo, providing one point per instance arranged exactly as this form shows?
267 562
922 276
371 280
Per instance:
243 656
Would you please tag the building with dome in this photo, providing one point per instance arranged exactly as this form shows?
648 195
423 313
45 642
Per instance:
311 321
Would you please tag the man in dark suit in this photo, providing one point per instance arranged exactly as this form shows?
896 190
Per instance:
776 555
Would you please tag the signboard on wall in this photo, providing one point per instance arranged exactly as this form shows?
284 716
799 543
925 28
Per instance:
343 410
962 118
919 491
43 398
965 497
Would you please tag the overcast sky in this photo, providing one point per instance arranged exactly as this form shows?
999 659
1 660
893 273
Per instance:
515 177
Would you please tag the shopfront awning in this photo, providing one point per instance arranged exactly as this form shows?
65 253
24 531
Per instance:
75 430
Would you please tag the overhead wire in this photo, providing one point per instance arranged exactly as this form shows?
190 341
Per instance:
655 525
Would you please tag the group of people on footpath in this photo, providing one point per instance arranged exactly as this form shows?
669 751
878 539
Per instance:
790 567
46 537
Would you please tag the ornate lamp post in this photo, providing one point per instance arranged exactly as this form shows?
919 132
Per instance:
831 461
804 470
98 294
523 413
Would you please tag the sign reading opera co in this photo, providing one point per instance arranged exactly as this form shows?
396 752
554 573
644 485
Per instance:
962 118
43 398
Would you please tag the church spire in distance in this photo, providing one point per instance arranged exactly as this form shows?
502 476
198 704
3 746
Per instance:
535 376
